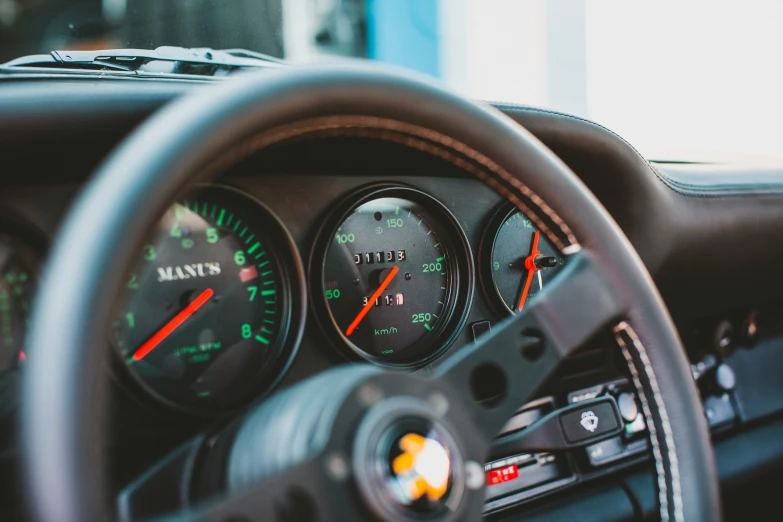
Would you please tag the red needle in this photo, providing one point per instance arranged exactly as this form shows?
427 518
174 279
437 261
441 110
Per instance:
531 269
371 300
172 325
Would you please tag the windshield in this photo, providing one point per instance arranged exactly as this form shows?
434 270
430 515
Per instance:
692 81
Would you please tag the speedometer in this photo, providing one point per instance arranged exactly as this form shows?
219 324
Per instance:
212 308
393 276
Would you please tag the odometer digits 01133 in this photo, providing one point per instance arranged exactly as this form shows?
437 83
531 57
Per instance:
395 276
208 307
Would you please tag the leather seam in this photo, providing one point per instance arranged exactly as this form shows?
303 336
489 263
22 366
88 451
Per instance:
727 190
672 184
412 136
668 438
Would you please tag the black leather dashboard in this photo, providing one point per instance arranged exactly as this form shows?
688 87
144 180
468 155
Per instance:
689 223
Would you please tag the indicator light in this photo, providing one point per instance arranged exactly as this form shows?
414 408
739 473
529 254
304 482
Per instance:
246 274
498 476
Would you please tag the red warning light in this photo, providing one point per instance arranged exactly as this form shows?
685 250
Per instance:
498 476
246 274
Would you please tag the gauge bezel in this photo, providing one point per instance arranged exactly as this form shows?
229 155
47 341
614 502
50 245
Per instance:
460 284
292 299
502 213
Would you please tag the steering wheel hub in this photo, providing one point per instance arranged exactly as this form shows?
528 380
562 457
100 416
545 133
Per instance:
407 461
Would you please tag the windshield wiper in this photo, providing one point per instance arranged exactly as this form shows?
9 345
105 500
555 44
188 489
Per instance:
163 60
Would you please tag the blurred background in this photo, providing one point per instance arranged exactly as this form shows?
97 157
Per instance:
692 81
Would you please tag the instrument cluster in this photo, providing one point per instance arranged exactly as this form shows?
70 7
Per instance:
214 306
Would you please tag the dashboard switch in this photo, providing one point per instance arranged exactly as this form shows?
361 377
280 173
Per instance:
591 419
725 378
628 407
636 426
571 427
607 450
719 410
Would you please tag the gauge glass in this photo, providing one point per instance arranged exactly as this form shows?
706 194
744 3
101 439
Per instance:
391 278
522 262
204 313
18 278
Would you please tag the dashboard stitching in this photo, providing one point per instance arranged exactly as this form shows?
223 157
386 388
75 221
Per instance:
376 126
672 184
668 438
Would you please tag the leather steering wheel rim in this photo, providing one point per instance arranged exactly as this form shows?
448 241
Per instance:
63 417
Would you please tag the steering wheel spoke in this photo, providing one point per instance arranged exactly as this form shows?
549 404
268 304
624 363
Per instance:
309 491
504 369
162 488
174 489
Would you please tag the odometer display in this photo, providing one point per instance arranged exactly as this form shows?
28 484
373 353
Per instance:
206 309
394 268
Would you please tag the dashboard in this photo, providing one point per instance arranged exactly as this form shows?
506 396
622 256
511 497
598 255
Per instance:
215 309
274 274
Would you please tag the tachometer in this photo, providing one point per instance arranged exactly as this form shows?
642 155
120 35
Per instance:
517 260
393 276
18 278
212 310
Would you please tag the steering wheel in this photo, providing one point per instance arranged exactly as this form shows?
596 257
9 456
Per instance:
315 451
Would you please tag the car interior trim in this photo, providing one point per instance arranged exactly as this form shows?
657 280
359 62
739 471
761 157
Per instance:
404 134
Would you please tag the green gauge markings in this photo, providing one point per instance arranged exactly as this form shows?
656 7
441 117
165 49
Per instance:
211 265
508 241
391 236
